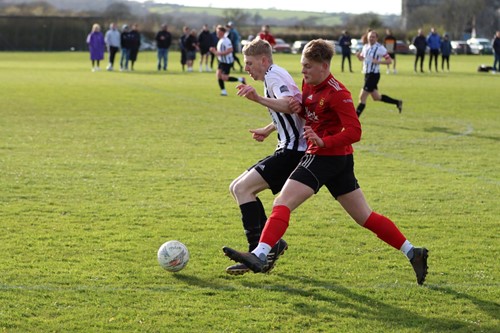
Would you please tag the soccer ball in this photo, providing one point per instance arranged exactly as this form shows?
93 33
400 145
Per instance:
173 256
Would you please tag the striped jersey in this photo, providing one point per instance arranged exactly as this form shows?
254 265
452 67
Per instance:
290 127
370 52
222 45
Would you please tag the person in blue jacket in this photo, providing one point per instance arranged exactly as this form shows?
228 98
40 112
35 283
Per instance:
434 43
445 52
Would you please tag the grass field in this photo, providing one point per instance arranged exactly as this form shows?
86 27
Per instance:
99 169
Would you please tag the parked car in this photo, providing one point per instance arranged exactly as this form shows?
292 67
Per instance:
298 46
413 50
356 45
460 47
281 46
402 47
480 46
147 45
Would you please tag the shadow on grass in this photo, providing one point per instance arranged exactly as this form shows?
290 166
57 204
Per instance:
193 280
489 307
450 132
357 305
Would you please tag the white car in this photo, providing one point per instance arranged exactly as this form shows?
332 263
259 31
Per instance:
480 46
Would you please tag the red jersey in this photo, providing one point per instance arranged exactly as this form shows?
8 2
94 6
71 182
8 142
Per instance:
329 110
268 37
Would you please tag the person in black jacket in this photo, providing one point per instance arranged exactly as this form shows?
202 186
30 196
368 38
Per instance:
496 51
163 41
345 45
191 46
125 45
420 44
204 42
135 43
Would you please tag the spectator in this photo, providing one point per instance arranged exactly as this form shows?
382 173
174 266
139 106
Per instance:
191 45
204 42
496 51
112 40
345 44
95 41
445 52
182 46
390 44
135 44
434 42
420 43
235 39
125 44
265 34
163 42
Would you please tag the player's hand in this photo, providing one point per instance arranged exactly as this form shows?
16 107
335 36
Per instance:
258 134
294 105
244 90
312 137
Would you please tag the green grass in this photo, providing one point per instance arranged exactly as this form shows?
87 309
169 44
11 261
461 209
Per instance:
99 169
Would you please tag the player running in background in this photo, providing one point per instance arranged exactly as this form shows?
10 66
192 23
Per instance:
373 54
272 171
224 53
332 126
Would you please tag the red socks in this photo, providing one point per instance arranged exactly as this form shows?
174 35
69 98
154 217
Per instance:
385 229
276 225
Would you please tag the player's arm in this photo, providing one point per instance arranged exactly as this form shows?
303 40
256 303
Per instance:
387 60
281 104
260 134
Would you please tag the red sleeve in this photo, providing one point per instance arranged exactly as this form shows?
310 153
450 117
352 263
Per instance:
351 128
272 41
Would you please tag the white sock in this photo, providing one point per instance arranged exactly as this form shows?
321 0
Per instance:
262 248
406 248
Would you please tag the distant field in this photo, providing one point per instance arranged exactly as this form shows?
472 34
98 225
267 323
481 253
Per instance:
319 19
99 169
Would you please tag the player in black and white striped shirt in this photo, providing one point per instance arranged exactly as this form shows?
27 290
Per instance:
224 53
373 54
272 171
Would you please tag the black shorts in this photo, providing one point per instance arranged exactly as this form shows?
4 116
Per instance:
371 81
225 68
276 168
392 55
335 172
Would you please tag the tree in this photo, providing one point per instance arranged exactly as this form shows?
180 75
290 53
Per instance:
237 16
364 21
458 14
118 11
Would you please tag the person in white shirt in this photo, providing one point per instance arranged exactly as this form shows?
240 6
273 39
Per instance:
224 53
373 55
112 40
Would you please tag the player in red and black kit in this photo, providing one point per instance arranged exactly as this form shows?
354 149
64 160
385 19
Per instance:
332 126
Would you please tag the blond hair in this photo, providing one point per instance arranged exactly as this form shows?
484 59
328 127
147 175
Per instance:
258 47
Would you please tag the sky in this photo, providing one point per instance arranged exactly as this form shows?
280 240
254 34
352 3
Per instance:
327 6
